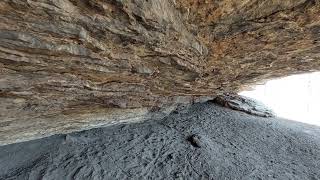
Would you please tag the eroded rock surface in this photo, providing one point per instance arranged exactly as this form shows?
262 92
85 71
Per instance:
244 104
204 141
66 64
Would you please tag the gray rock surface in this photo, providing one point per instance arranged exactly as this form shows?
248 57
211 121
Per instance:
203 141
244 104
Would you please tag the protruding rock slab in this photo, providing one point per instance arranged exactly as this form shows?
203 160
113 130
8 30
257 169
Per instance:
244 104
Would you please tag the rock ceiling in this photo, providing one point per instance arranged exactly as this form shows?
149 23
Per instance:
68 65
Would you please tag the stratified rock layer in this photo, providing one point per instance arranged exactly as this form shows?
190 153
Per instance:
66 65
244 104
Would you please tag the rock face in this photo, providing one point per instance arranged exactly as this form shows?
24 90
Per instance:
204 141
66 65
244 104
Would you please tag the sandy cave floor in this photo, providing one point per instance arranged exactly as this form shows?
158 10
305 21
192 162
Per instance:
203 141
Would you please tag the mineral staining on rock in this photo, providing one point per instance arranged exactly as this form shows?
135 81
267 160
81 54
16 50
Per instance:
67 65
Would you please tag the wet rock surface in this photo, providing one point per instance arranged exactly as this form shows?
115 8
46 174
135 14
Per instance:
203 141
244 104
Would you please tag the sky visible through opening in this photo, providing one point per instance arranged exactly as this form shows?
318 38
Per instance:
294 97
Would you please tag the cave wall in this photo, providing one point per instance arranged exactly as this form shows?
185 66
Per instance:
68 65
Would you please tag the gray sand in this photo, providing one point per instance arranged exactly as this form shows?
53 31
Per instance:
204 141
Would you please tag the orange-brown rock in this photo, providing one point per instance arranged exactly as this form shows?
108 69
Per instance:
68 65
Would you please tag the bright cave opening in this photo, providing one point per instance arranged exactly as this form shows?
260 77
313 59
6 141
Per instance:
294 97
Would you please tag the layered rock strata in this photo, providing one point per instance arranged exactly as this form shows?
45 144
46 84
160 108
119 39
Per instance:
67 65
